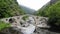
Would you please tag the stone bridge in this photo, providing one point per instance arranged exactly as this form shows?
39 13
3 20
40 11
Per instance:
26 22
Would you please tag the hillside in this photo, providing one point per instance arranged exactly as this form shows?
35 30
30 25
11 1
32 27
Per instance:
53 13
41 12
27 10
10 8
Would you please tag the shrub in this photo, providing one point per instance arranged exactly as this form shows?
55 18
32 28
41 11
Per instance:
3 25
25 17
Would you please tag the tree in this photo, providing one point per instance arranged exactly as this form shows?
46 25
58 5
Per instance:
53 12
10 8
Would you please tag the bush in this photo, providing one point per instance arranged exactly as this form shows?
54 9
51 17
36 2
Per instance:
25 17
3 25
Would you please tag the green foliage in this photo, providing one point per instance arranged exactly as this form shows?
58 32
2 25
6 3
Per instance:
10 8
25 17
3 25
53 12
41 12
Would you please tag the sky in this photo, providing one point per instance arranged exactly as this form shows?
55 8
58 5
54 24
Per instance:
33 4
